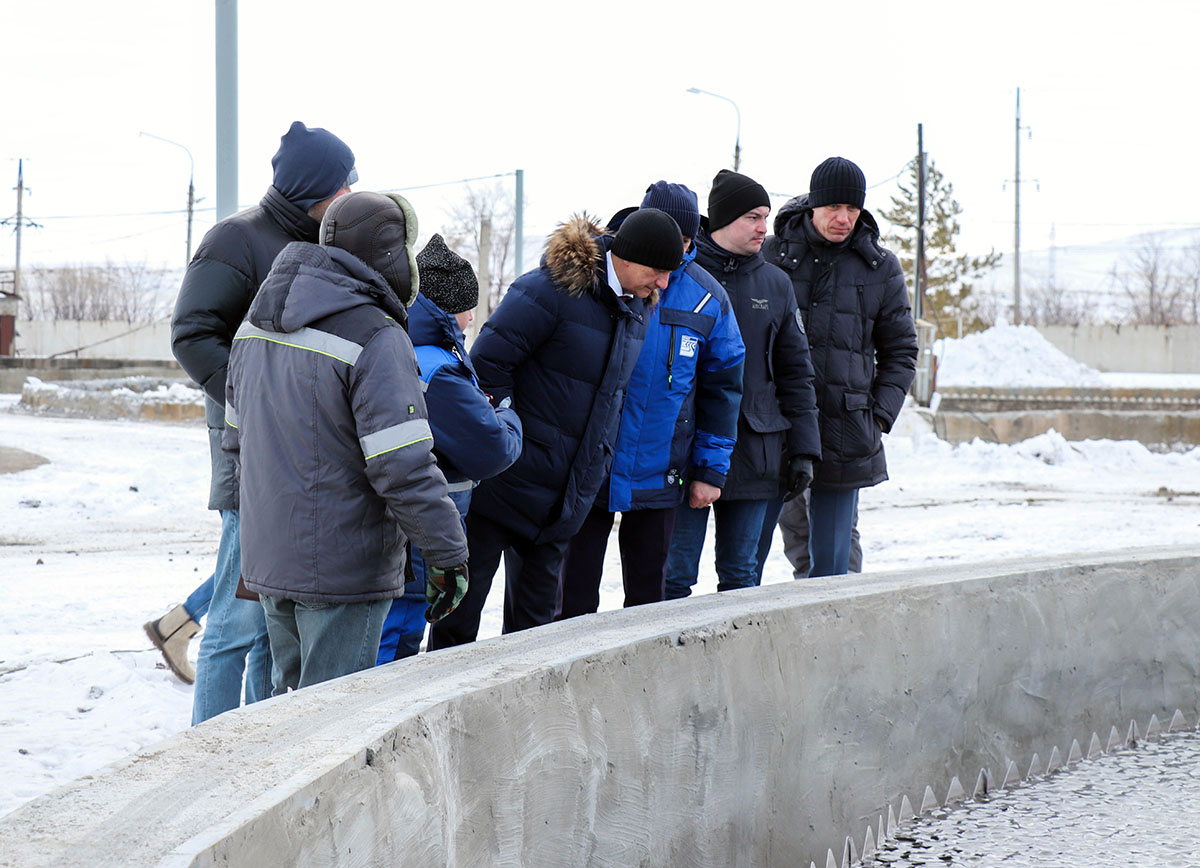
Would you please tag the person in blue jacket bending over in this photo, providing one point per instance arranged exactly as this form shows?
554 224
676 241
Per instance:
472 440
678 425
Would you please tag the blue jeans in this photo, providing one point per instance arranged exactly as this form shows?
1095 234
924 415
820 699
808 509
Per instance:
235 637
831 514
315 642
738 526
404 626
196 605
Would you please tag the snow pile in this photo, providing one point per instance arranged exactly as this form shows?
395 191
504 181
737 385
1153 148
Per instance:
1009 356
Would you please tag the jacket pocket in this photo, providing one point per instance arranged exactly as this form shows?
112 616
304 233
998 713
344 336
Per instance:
860 434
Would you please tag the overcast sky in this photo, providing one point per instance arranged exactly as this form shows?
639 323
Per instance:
591 101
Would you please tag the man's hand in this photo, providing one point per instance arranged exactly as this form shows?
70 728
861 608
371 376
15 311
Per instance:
701 494
799 476
444 591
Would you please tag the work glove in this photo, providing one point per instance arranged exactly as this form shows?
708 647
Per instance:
799 476
444 591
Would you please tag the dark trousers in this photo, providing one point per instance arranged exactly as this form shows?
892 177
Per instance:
530 582
644 537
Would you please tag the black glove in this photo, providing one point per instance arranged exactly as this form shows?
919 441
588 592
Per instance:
444 591
799 476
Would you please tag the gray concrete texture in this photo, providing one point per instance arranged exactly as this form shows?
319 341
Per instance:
1155 349
755 728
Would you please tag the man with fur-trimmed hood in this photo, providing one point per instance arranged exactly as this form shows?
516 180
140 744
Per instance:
560 348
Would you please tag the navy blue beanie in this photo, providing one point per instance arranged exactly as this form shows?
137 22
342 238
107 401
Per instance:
311 165
678 201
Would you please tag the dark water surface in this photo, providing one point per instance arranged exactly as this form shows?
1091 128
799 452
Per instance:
1135 807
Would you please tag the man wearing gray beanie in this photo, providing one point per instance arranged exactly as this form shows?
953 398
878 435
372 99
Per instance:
560 349
312 167
853 297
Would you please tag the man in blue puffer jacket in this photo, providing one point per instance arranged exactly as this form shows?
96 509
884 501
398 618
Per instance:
678 425
472 440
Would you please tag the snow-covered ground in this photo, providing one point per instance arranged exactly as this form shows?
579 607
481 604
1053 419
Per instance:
113 529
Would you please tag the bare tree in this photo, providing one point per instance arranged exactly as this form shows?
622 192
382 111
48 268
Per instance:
1189 280
130 292
1056 305
1155 297
485 222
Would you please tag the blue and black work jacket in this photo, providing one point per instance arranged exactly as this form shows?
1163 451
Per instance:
679 422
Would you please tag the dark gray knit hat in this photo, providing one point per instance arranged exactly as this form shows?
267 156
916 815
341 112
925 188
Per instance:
837 181
446 278
379 230
678 201
650 237
731 196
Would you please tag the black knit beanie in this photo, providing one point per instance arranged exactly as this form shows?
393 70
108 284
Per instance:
731 196
311 165
678 201
837 181
650 237
446 278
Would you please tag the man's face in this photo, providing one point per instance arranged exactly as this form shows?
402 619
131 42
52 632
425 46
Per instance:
835 222
637 279
745 235
465 318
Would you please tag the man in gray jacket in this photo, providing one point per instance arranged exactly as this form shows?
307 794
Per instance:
324 405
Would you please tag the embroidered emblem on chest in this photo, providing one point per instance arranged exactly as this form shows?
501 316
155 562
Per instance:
759 303
688 344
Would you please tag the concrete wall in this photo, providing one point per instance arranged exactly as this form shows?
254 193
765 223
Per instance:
756 728
1154 349
15 371
98 340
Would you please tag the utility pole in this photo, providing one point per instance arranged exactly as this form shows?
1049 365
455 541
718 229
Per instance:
1017 221
919 265
227 107
520 221
20 221
191 189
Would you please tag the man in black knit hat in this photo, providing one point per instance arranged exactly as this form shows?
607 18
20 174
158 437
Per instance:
560 349
311 168
777 438
854 300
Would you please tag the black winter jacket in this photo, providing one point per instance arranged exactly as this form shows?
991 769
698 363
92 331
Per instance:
220 283
778 417
861 334
562 345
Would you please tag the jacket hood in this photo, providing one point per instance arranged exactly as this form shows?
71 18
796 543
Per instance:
574 255
429 325
309 282
789 229
788 220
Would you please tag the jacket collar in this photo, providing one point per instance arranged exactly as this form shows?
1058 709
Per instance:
292 218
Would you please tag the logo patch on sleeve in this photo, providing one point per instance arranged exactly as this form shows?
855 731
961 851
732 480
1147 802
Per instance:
688 344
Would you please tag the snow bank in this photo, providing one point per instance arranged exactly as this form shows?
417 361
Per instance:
1009 356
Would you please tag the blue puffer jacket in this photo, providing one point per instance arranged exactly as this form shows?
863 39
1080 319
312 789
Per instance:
681 409
471 439
562 345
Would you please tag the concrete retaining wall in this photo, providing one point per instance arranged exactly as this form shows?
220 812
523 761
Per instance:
756 728
1154 349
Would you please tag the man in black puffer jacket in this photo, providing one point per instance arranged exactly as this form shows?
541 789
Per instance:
311 168
852 295
777 437
560 348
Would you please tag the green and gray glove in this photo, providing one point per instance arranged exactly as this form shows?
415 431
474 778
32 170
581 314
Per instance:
444 591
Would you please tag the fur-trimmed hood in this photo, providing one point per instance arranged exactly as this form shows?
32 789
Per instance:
574 255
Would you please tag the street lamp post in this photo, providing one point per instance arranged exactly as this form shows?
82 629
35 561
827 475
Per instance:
191 189
737 144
